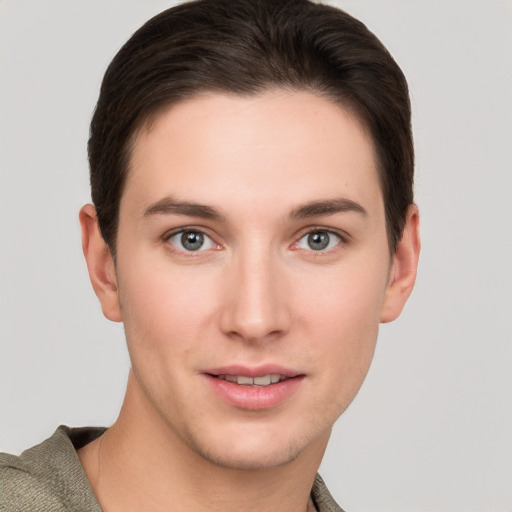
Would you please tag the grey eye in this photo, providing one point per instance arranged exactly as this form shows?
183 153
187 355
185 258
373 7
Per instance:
319 240
191 241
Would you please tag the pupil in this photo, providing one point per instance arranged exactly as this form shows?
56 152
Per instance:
192 241
318 241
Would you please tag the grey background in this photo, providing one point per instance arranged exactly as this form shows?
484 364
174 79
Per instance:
431 430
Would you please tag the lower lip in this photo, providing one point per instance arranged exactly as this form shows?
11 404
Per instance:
254 398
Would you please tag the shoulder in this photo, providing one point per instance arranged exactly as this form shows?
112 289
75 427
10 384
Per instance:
23 489
46 477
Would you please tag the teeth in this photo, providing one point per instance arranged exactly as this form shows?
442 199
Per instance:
264 380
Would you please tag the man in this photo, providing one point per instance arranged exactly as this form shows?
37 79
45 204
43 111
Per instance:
253 223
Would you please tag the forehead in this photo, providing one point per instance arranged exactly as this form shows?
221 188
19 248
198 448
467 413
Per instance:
274 149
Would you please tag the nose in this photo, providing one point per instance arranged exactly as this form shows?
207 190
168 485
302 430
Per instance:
255 302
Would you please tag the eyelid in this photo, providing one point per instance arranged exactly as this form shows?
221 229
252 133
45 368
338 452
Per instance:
344 238
194 229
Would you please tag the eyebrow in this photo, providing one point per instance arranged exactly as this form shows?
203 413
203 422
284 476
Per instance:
326 207
170 206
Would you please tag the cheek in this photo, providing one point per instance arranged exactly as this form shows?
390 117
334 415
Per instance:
163 312
348 343
342 313
347 299
349 336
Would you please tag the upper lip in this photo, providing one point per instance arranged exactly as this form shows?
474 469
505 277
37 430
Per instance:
254 371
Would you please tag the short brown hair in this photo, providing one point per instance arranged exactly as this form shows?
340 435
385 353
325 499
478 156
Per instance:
246 47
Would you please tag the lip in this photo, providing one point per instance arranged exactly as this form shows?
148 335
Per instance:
254 398
253 371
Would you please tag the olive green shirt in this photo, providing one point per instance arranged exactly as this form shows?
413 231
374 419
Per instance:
50 478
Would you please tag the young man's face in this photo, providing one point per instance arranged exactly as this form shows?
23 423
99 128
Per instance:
251 248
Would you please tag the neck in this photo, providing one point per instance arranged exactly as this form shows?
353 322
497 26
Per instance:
141 464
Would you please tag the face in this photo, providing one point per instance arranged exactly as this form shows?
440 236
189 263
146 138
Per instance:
252 272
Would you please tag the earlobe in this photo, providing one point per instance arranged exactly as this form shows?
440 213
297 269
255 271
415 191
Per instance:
403 270
100 264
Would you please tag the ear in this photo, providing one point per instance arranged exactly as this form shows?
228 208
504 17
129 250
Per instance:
403 269
100 264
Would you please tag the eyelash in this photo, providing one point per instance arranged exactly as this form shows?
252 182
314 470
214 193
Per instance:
341 239
191 230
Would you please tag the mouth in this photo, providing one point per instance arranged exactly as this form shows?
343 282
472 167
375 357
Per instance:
252 388
262 381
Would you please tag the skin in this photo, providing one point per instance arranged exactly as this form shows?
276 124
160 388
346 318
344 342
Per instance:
256 293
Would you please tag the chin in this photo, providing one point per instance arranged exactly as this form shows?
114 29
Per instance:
247 458
254 451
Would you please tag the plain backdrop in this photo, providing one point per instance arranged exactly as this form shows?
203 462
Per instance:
431 429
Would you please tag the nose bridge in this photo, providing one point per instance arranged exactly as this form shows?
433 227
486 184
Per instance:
255 306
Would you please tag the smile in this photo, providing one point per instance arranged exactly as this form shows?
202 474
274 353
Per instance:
254 388
264 380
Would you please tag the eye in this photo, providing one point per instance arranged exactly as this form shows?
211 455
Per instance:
191 241
319 240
